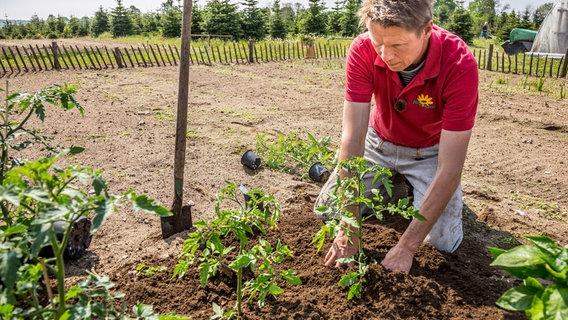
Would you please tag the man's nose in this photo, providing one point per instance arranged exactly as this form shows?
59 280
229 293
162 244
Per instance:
386 54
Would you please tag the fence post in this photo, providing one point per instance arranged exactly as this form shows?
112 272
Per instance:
311 52
564 65
55 52
118 57
489 58
251 51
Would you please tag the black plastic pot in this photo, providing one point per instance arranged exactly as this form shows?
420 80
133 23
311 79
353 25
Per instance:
248 196
318 172
78 241
250 160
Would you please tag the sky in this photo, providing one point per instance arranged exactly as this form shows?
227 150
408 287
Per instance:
24 9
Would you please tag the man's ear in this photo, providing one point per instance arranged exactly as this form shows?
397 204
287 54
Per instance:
428 29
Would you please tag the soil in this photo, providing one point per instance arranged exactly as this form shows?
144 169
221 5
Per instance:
515 183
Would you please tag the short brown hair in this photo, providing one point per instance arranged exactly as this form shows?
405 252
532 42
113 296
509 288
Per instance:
412 15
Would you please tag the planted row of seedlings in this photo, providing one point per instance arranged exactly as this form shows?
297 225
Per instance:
42 207
35 196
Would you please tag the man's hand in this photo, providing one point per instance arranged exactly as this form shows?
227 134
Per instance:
398 259
342 248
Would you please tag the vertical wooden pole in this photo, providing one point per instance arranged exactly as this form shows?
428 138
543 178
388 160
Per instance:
118 58
178 223
489 58
55 53
251 51
564 65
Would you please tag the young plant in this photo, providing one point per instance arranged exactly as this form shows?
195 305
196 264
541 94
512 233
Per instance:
546 298
243 220
34 196
292 153
348 194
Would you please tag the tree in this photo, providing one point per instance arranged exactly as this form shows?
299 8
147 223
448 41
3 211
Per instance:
349 21
121 25
196 19
484 10
312 20
35 26
171 20
461 24
334 18
443 11
253 22
221 17
100 23
276 25
540 14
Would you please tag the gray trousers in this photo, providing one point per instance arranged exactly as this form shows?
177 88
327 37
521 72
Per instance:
418 166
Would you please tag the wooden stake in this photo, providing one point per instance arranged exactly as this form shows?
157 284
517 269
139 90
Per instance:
178 222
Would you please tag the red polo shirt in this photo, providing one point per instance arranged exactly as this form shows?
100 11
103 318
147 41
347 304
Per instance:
442 95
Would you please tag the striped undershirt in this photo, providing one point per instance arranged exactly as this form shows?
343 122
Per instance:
407 75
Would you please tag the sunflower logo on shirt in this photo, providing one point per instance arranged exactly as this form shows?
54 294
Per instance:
425 101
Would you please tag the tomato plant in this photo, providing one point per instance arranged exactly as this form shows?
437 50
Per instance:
292 153
37 195
349 193
243 220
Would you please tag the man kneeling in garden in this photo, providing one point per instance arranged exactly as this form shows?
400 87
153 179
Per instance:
424 81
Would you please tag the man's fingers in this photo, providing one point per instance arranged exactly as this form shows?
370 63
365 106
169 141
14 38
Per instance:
330 257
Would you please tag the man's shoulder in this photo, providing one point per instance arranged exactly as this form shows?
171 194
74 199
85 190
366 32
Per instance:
453 49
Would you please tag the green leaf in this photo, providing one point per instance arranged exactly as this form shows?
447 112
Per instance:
103 209
72 293
204 273
518 298
555 301
290 276
521 256
354 291
240 262
545 244
76 150
40 112
144 203
274 289
9 265
15 229
10 194
495 252
349 279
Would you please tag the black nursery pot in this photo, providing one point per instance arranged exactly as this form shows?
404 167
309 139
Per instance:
318 172
250 160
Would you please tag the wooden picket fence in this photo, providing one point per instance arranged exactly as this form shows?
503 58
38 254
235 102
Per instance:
21 59
24 59
531 64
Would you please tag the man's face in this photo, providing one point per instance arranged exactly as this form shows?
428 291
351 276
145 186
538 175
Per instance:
398 47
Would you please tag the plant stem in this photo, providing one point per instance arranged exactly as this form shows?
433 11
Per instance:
239 285
60 275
